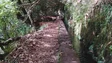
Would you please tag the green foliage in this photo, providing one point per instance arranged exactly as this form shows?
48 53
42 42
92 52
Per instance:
7 17
10 26
96 30
74 18
77 12
103 29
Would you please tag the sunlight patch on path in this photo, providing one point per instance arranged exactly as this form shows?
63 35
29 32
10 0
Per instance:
47 35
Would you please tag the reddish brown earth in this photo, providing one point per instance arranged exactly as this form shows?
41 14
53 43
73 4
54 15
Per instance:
50 45
68 55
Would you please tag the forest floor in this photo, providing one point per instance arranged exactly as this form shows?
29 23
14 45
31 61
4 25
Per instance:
50 45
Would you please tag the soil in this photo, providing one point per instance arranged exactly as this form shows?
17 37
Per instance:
51 44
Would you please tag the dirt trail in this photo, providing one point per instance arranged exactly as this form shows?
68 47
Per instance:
50 45
68 55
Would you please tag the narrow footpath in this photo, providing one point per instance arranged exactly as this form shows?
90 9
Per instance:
68 55
50 45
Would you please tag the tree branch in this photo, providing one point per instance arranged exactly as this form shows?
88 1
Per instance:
10 40
30 10
25 5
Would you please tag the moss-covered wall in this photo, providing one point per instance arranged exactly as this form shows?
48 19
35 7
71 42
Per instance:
75 17
89 22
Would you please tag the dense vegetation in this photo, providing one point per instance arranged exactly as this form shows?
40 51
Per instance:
19 17
10 27
90 27
88 24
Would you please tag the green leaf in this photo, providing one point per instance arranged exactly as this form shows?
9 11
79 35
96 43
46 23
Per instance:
100 61
110 47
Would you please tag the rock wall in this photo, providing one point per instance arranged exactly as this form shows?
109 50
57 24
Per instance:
89 24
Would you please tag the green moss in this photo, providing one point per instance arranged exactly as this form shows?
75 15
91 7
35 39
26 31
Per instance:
96 29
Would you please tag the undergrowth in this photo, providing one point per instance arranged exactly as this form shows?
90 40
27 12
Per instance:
98 23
